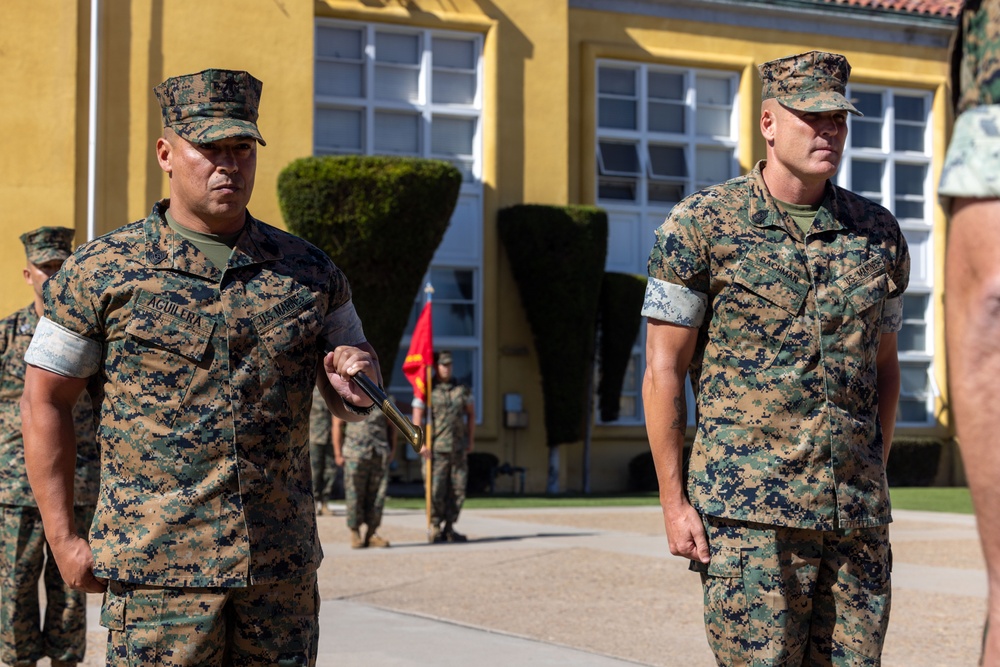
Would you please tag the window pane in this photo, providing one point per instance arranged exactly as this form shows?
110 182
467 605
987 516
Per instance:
666 117
870 104
909 210
452 136
339 43
614 81
616 113
912 411
915 307
452 285
665 192
454 319
396 48
909 138
866 176
339 129
397 133
618 158
866 134
454 88
341 79
913 379
713 122
457 53
910 108
666 161
713 91
666 86
713 165
910 179
913 338
396 83
617 189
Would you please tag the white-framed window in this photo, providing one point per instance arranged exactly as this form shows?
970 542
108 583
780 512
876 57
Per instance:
395 90
888 159
662 133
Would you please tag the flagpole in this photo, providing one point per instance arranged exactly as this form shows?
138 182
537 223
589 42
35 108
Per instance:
428 477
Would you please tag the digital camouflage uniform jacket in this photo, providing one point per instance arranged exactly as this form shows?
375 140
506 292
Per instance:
203 394
449 401
784 369
16 331
367 438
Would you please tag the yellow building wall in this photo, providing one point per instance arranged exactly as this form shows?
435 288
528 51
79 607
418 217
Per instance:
538 134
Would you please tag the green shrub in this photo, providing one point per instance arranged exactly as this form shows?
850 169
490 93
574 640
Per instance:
913 461
380 219
621 303
557 256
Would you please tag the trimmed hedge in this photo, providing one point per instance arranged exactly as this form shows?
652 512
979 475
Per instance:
913 461
621 303
557 256
380 219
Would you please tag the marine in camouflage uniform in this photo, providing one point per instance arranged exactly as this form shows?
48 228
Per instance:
365 449
453 422
324 467
25 556
202 349
784 313
970 192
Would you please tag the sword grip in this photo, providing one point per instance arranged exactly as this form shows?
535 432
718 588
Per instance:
413 434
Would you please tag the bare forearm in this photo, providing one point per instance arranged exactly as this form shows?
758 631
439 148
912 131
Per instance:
666 421
50 459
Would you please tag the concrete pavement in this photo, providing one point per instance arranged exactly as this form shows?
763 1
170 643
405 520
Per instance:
592 587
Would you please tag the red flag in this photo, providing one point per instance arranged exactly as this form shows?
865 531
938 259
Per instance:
421 354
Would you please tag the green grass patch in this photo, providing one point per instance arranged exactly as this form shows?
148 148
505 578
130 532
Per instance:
927 499
932 499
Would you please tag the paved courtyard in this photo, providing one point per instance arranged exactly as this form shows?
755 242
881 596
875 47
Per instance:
591 587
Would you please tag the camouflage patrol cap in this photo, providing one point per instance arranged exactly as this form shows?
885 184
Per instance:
813 81
444 358
211 105
48 243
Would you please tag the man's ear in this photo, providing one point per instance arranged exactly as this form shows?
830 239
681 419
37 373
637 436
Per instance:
767 122
164 152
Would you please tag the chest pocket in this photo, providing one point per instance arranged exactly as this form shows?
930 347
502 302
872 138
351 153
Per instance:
163 348
290 324
757 315
865 286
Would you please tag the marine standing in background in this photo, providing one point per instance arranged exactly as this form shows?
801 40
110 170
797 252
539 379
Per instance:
780 293
25 556
453 428
365 449
970 191
202 332
321 458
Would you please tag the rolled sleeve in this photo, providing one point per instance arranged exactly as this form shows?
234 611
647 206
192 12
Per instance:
343 327
892 315
972 165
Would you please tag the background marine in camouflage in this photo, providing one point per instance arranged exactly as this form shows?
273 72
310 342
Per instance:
365 449
453 428
324 468
970 190
202 332
25 556
779 293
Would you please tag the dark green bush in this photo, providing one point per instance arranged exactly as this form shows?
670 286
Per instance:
642 472
557 256
380 219
913 461
621 303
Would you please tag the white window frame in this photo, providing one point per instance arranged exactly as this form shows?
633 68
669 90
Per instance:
890 157
459 253
645 214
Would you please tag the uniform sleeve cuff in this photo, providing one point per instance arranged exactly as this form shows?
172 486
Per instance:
59 350
674 303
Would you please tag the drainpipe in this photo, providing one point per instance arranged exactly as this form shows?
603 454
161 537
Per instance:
95 12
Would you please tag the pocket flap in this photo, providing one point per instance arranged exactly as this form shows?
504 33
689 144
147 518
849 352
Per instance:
772 282
113 611
168 325
725 562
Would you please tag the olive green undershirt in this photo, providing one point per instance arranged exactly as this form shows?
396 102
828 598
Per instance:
802 214
217 247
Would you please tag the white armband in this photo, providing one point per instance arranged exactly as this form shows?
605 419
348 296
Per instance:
892 315
674 303
343 327
59 350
